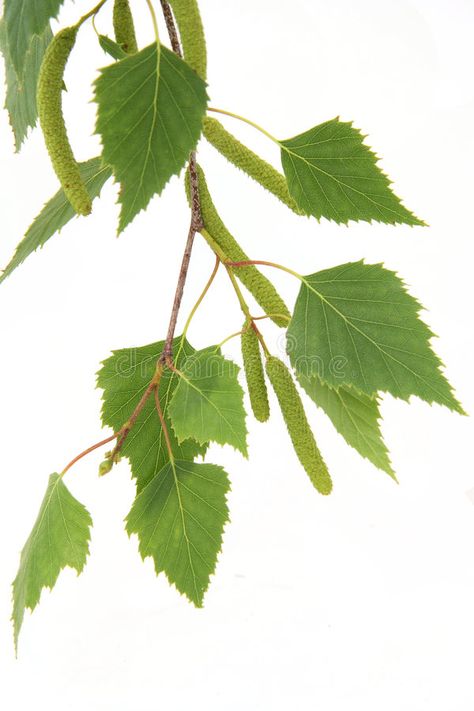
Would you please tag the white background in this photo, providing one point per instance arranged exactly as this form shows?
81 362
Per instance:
363 600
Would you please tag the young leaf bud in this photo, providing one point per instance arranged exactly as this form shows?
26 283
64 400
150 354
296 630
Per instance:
105 467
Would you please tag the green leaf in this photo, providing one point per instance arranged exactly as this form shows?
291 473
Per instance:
150 111
56 214
331 173
20 101
23 20
111 47
355 416
124 377
208 401
60 538
356 325
179 518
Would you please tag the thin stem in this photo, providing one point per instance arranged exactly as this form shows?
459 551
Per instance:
164 426
197 304
245 308
127 426
239 333
170 364
260 338
88 451
196 217
94 26
201 297
243 304
213 245
247 262
154 20
260 262
171 27
245 120
229 338
168 348
259 318
91 13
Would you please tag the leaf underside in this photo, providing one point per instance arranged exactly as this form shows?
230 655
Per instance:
331 173
179 518
24 19
208 402
124 378
150 117
20 101
355 416
356 325
60 538
57 213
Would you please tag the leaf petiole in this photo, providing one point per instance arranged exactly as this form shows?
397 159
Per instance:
154 21
228 338
245 120
260 262
259 318
245 308
197 305
88 451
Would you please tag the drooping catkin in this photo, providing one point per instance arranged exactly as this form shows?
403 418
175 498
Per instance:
191 31
124 28
248 161
259 286
49 101
297 424
254 374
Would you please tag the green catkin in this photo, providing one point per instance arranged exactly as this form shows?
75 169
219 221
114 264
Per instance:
248 161
254 374
297 424
259 286
191 32
124 28
49 101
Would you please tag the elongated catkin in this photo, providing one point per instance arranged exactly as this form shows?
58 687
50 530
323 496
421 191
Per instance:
254 373
124 28
191 31
49 101
297 424
248 161
259 286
